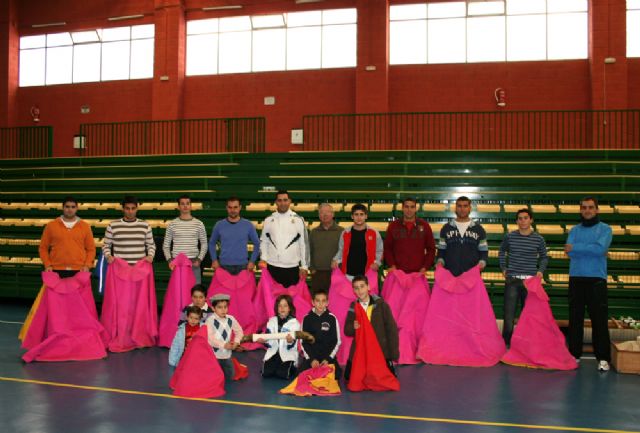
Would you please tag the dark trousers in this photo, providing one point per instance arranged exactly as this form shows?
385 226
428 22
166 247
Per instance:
592 293
234 269
515 293
66 274
227 368
275 367
285 276
320 280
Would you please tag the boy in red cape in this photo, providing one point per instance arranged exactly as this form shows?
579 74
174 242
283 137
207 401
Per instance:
375 346
198 374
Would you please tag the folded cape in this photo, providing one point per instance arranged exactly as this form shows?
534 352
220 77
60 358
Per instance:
314 381
537 342
65 326
460 327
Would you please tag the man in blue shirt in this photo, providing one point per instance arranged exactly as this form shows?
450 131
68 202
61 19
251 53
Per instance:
587 247
234 233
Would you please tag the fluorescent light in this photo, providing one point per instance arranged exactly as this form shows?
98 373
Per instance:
125 17
60 23
299 2
222 8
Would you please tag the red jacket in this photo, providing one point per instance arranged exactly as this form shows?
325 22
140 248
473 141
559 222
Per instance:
370 238
407 250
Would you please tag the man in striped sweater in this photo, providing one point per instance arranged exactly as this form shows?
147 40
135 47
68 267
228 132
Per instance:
186 235
129 238
526 254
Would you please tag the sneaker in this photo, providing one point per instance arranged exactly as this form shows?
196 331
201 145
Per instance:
603 366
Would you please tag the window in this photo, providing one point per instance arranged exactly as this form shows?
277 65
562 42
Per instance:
490 31
278 42
633 28
120 53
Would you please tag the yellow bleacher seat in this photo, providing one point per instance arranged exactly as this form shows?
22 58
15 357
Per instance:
569 208
487 208
605 208
493 228
434 207
86 206
257 224
381 207
157 223
623 255
378 225
557 254
102 223
629 279
436 227
149 205
431 275
260 207
197 205
549 229
493 276
512 227
313 225
305 207
544 208
26 223
633 230
627 209
337 207
493 253
345 224
559 278
513 208
171 205
348 206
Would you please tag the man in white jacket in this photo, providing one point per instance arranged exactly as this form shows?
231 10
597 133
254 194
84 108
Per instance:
284 246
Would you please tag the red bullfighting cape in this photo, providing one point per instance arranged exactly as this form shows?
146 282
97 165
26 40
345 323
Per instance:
314 381
269 290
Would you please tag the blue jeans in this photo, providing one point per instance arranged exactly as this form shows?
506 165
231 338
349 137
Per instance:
514 293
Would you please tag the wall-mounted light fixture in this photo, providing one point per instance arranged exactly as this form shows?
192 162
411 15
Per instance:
222 8
125 17
60 23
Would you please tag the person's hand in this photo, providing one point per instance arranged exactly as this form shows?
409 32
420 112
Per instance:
422 270
110 259
172 266
374 266
392 268
539 275
261 340
262 264
568 248
251 266
303 273
325 362
482 265
289 339
334 264
439 265
356 325
48 269
505 272
84 269
215 265
314 363
149 259
196 263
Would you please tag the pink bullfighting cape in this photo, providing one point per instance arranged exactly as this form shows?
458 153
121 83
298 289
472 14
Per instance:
177 297
537 341
269 290
369 370
408 297
245 305
340 298
460 327
65 327
198 374
129 309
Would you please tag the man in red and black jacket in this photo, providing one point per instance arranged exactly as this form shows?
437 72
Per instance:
409 244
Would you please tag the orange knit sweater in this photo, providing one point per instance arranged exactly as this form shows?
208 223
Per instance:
64 248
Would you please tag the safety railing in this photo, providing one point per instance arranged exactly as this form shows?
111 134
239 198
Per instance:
26 142
526 130
174 137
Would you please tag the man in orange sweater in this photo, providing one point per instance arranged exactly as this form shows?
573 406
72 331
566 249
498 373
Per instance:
67 245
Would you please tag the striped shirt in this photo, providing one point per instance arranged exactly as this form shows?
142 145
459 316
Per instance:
128 240
185 235
527 254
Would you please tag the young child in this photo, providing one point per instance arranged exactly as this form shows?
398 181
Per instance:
381 319
185 332
324 326
281 357
198 299
224 333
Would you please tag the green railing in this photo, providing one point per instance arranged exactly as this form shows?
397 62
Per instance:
526 130
26 142
174 136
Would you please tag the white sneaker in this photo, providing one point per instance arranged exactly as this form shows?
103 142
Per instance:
603 366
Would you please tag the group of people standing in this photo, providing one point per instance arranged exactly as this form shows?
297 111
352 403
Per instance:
289 252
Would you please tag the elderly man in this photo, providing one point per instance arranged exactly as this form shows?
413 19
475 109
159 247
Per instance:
323 244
